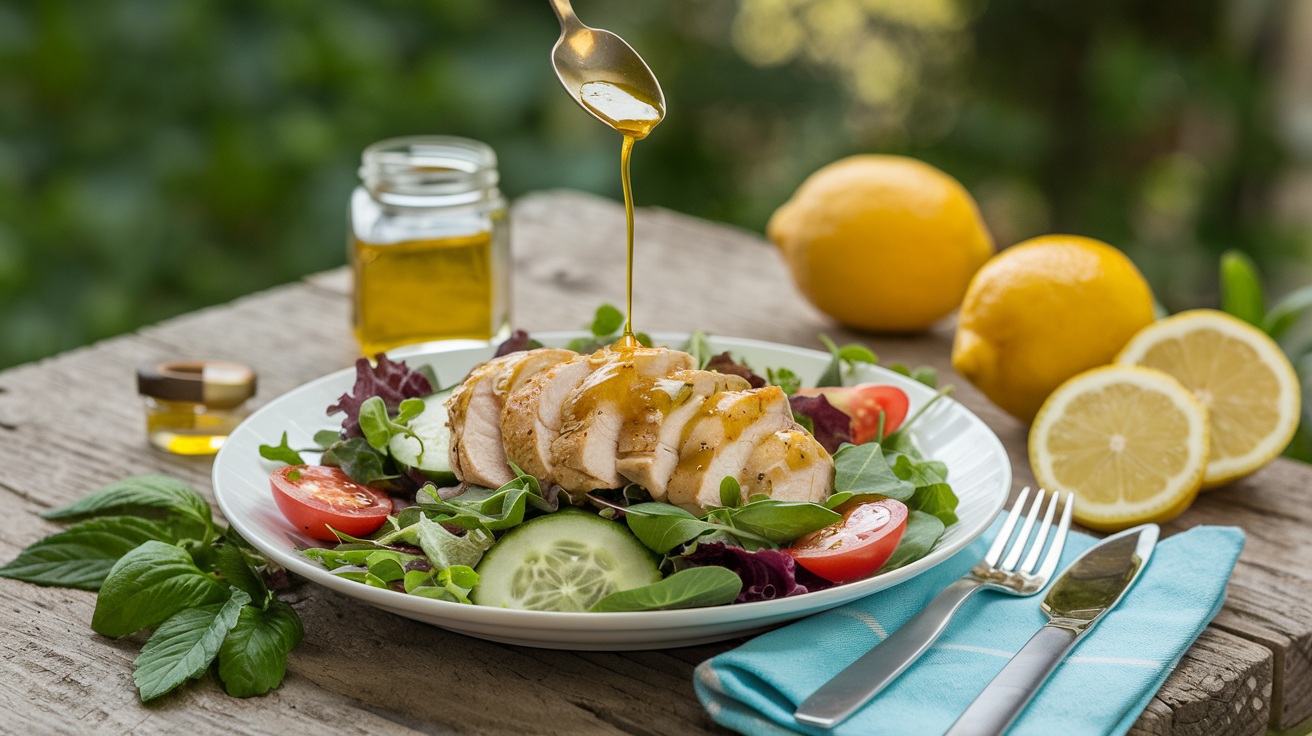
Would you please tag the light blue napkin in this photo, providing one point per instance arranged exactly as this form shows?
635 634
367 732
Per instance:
1101 688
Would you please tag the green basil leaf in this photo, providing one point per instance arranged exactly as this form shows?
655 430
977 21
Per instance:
283 453
150 496
1286 312
861 469
833 373
235 569
1241 289
183 647
663 527
253 658
922 533
359 460
326 438
83 554
731 494
936 499
698 348
692 588
148 585
607 321
782 521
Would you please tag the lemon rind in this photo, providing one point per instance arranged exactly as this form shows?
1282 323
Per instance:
1177 492
1224 470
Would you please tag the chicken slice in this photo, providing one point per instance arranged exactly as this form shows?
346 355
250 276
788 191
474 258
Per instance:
530 421
788 465
719 441
648 458
474 413
621 398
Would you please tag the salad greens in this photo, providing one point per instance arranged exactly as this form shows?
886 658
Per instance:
150 546
605 329
435 545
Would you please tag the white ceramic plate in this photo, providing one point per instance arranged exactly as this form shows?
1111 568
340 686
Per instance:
977 465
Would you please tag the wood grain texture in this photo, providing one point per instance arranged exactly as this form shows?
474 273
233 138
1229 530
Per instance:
71 423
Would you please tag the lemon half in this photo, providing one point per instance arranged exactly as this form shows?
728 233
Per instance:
1238 373
1131 443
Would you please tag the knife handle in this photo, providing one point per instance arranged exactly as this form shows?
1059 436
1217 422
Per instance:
874 670
1007 695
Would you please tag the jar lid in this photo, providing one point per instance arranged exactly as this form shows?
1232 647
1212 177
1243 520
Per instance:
209 382
429 171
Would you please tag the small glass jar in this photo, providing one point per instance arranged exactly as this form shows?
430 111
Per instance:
429 244
192 405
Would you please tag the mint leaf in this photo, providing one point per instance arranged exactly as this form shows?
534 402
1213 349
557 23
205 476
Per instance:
235 570
184 646
1241 289
861 469
691 588
150 496
148 585
283 453
922 533
83 554
253 657
607 321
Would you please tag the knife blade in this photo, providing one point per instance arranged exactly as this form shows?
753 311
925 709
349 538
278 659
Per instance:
1080 597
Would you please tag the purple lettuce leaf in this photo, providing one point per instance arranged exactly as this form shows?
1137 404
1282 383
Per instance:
391 381
829 425
517 342
724 363
767 574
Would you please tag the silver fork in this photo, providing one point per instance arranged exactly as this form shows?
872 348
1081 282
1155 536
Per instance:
867 676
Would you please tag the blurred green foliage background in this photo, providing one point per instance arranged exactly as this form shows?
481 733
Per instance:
156 157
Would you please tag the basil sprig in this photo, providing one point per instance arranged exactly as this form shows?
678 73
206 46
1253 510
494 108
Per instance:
150 546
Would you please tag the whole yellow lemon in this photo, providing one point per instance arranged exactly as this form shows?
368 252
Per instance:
1042 311
884 243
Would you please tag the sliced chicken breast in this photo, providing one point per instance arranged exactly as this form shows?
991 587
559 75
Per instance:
719 441
477 453
649 457
621 398
530 420
788 465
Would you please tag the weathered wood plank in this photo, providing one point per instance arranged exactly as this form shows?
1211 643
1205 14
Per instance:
70 423
1229 680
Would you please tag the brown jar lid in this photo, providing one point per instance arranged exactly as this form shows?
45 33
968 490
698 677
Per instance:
213 383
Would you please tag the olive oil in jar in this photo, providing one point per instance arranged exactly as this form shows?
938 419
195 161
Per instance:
429 244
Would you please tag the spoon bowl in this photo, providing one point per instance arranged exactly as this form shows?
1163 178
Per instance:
584 55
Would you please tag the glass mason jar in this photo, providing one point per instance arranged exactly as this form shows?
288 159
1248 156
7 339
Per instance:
429 243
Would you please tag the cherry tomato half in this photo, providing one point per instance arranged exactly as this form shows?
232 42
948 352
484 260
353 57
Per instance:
314 497
863 403
855 547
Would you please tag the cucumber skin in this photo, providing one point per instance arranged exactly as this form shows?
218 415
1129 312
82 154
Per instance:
568 514
439 470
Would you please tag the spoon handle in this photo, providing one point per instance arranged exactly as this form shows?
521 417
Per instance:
565 13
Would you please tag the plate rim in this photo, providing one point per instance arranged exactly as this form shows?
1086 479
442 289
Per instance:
610 621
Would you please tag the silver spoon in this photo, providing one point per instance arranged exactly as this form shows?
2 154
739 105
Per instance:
583 55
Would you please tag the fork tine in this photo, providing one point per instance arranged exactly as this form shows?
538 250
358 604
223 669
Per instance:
1040 537
1000 542
1058 541
1013 556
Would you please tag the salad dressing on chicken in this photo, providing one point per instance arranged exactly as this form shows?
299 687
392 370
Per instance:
634 115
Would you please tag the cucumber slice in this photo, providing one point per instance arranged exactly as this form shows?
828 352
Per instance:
566 561
431 427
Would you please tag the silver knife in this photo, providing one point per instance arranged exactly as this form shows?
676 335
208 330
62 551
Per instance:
1092 585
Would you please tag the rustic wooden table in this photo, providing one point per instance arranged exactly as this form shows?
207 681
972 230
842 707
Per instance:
73 423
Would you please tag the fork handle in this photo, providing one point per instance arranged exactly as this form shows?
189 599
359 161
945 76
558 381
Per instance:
873 671
994 710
